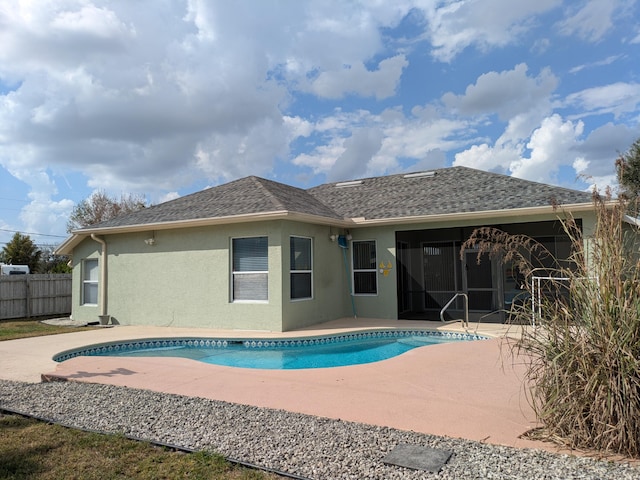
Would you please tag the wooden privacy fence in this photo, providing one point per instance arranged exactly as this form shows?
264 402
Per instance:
34 295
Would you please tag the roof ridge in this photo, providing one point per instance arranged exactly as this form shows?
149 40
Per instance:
375 177
261 183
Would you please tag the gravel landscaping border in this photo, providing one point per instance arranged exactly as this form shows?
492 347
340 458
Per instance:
313 447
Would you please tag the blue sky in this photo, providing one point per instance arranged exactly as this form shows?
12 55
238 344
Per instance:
167 98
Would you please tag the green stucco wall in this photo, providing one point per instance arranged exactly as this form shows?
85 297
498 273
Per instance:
183 280
330 288
384 304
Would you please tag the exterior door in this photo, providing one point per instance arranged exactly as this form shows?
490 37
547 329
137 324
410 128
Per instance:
481 283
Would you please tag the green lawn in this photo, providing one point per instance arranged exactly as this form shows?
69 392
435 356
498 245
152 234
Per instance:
30 449
29 327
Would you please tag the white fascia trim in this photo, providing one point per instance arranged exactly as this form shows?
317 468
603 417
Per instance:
78 235
485 214
203 222
66 247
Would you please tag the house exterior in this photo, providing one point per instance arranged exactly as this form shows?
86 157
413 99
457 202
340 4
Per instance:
260 255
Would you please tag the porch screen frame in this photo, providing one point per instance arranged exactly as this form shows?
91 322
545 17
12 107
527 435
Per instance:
457 279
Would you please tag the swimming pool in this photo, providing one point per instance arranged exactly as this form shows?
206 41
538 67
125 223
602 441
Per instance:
283 353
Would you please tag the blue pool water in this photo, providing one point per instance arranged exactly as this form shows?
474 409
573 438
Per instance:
318 352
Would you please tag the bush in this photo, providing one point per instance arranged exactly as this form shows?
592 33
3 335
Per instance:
583 358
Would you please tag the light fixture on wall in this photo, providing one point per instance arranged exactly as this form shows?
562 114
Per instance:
333 237
151 241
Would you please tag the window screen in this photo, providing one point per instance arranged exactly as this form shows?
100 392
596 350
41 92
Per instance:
250 268
90 282
301 268
365 278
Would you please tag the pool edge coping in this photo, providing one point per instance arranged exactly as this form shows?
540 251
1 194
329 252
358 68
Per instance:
260 342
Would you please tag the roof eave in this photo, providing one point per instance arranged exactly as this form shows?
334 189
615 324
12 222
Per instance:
66 248
474 216
70 243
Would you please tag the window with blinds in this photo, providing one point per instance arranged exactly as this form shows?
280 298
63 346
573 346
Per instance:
90 281
301 265
365 278
250 270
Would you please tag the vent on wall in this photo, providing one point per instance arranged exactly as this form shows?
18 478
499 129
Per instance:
420 175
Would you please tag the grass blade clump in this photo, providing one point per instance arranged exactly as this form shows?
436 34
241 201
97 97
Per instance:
583 371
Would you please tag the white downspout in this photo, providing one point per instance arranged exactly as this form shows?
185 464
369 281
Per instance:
103 279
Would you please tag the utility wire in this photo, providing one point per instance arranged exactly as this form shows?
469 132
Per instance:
32 233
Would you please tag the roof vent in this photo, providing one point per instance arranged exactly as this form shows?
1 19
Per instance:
420 174
349 184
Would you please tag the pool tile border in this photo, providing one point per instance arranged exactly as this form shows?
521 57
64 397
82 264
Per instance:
202 342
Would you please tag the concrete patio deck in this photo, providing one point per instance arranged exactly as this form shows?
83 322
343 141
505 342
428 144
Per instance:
469 390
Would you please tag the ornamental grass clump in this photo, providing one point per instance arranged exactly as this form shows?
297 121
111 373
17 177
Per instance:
583 356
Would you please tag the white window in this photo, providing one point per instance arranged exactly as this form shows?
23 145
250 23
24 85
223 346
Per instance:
250 270
301 266
90 282
365 278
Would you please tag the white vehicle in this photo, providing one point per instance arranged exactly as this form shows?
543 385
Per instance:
14 269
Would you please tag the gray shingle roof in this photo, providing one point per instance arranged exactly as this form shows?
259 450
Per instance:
447 191
249 195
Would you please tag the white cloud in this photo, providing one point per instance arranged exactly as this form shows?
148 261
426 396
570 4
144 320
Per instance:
232 155
136 98
556 143
617 99
601 148
507 93
322 158
384 143
42 214
416 138
600 63
147 97
298 127
521 100
551 146
359 148
53 35
590 20
484 157
456 25
91 21
540 46
380 83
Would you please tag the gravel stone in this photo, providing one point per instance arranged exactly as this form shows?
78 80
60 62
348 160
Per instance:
302 445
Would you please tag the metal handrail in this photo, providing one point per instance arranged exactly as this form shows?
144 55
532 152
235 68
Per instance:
465 322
